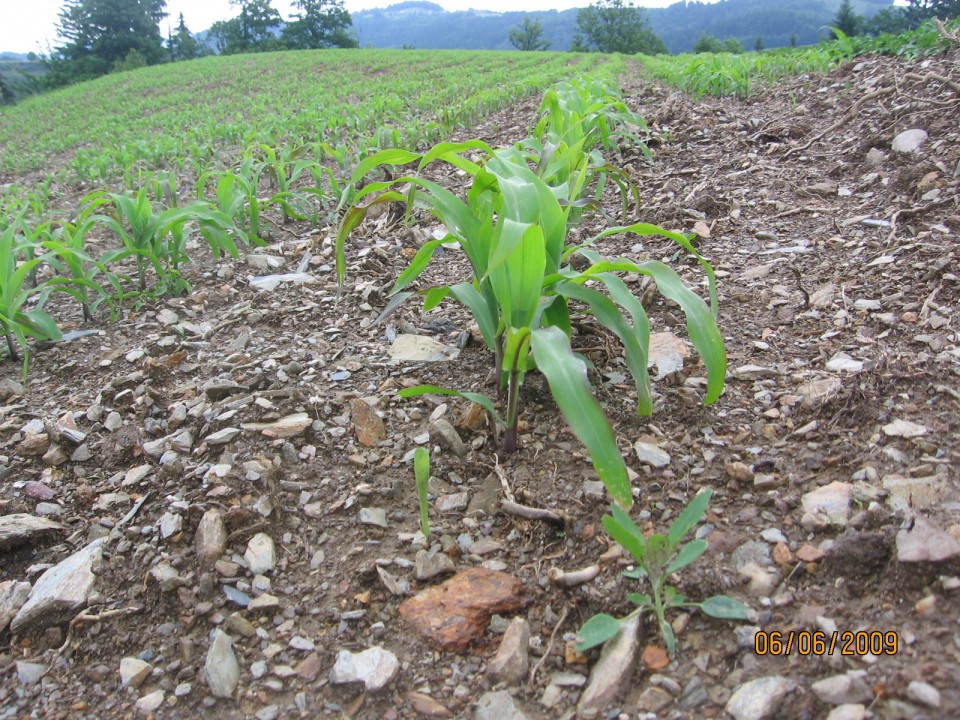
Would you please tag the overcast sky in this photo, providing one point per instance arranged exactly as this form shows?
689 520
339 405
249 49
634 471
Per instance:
30 25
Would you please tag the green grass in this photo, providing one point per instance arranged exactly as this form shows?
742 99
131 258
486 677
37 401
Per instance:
742 75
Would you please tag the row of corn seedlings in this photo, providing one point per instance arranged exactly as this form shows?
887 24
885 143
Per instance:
513 221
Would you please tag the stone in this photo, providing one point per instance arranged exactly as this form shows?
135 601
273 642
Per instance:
170 524
36 444
428 565
653 700
210 541
286 427
61 590
373 516
268 283
923 693
221 668
150 702
811 554
419 348
454 614
848 712
486 501
167 317
655 658
264 602
38 491
309 667
425 705
827 506
11 388
367 425
498 705
13 595
904 429
841 362
166 576
751 552
21 529
374 667
133 671
909 141
907 494
650 454
114 421
445 435
453 502
741 472
29 673
843 689
222 437
613 669
924 542
819 392
753 372
261 555
512 660
135 475
759 699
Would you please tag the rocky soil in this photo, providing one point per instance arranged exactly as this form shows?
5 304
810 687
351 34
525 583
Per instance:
209 507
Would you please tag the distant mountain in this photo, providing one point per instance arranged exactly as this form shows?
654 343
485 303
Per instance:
428 26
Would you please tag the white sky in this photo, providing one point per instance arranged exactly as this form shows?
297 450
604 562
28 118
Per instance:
30 26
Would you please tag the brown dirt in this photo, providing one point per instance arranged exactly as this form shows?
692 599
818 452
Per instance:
799 262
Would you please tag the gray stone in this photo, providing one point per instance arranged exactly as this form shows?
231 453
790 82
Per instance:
752 551
374 667
167 317
453 502
21 529
170 524
653 700
498 706
925 543
487 500
427 565
694 694
135 475
81 454
166 576
614 667
551 696
759 699
512 660
222 437
923 693
211 538
133 671
150 702
113 422
445 435
827 506
650 454
61 590
13 595
28 673
848 712
753 372
221 667
270 712
909 141
261 555
843 689
373 516
908 494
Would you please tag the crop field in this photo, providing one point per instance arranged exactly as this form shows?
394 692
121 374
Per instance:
403 384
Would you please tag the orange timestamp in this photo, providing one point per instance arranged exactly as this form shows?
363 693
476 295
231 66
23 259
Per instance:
816 642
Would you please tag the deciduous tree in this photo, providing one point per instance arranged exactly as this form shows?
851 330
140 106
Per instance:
528 35
920 10
319 24
615 26
253 30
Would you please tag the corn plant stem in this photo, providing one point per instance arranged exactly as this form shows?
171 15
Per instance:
512 418
13 352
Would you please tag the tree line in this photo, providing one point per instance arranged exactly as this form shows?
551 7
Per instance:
102 36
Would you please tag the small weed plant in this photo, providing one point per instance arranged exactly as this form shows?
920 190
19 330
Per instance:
658 557
421 472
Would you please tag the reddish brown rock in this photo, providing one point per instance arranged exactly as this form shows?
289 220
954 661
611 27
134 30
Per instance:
810 554
454 614
655 658
367 424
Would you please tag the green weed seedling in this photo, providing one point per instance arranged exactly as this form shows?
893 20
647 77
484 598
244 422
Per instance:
421 470
658 557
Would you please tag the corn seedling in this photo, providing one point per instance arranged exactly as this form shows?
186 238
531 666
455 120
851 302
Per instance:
513 229
421 470
16 322
658 557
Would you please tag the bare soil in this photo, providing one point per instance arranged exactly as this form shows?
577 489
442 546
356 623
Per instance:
825 241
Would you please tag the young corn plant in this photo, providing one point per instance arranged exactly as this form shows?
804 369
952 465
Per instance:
282 169
15 292
421 471
658 557
513 229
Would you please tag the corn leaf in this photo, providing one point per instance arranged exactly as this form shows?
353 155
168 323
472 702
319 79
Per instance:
567 377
